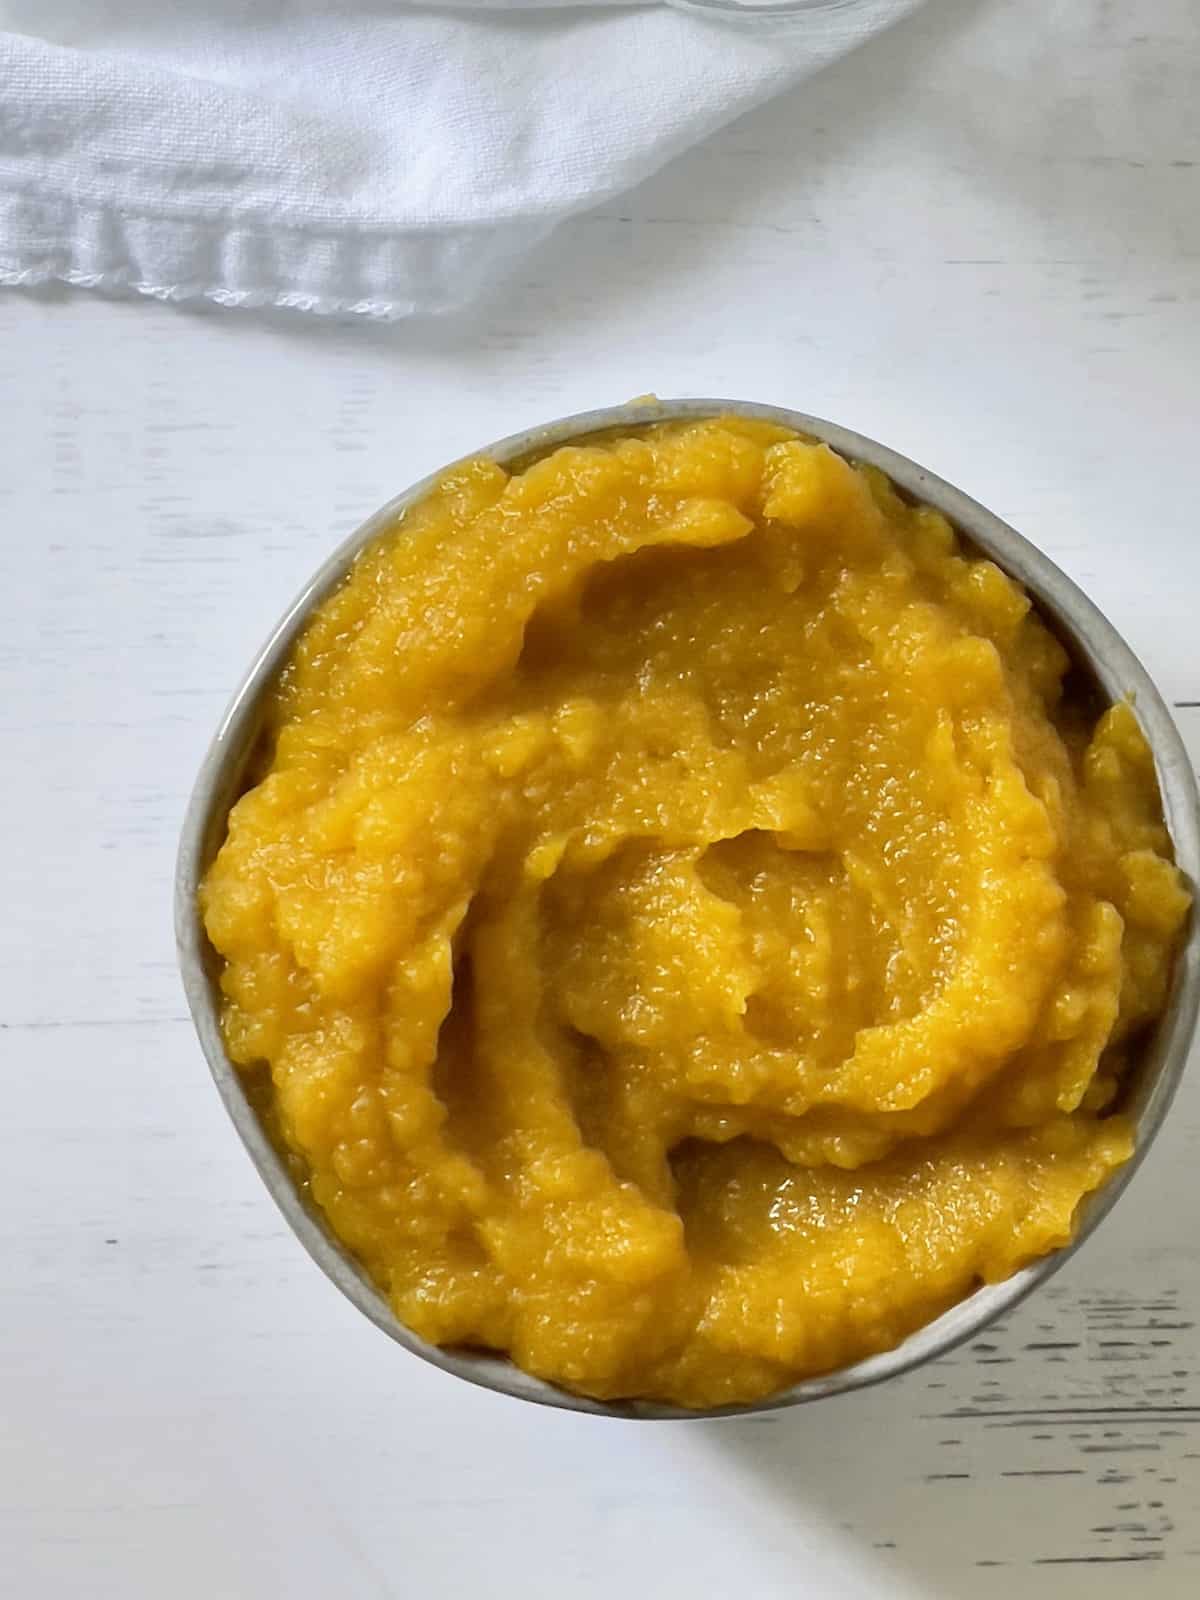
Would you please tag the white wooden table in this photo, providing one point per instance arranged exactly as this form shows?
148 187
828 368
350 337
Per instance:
979 240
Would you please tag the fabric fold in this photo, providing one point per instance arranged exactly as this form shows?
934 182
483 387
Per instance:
375 159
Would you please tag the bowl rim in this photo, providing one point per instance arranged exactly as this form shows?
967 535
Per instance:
757 13
1101 649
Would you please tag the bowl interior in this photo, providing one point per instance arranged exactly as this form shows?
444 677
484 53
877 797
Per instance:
1105 668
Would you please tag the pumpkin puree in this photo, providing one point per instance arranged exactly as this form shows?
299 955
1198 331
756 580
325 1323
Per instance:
692 937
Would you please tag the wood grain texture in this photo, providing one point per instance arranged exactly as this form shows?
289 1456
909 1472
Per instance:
979 240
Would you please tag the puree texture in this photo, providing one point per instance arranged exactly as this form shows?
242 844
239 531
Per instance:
692 938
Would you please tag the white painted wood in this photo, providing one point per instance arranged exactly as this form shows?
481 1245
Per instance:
979 240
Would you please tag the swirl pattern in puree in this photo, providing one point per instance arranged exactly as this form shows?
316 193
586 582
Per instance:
693 938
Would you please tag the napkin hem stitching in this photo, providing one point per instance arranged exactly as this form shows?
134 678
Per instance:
56 238
250 299
332 228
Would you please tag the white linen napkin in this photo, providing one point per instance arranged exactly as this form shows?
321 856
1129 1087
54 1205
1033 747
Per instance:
365 156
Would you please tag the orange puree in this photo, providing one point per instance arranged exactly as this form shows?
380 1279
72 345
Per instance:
692 937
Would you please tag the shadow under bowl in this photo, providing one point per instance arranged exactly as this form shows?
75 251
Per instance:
1102 661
